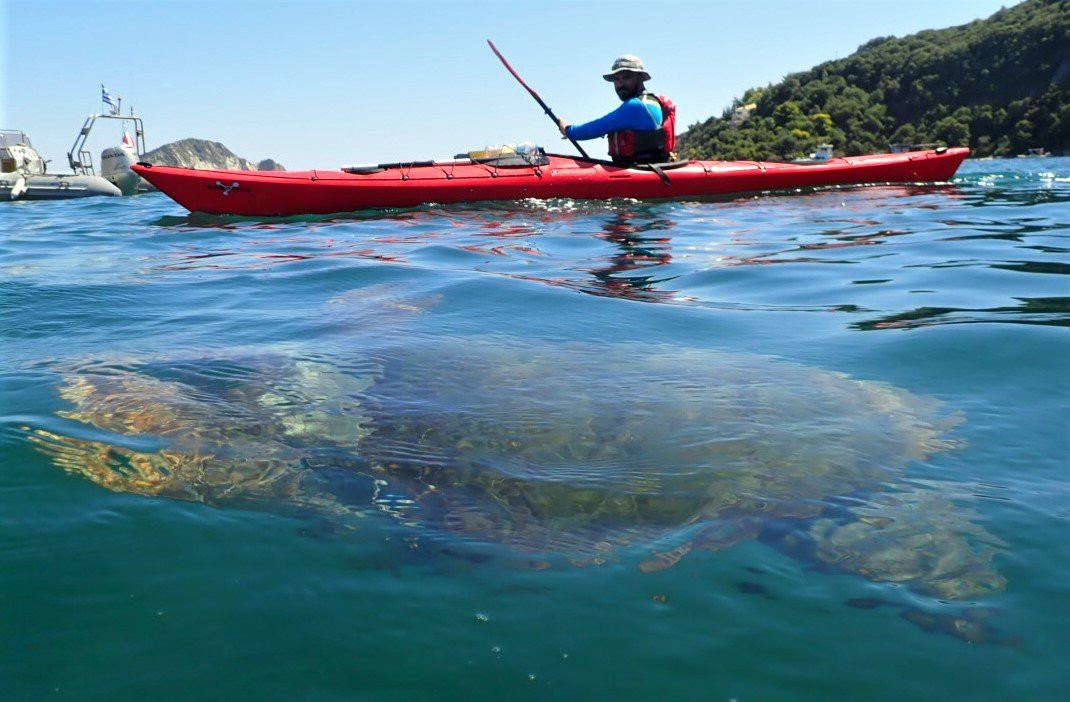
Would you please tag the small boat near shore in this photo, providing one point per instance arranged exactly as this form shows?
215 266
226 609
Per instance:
821 155
517 175
1036 152
24 176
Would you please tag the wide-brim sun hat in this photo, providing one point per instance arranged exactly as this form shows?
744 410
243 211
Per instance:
627 62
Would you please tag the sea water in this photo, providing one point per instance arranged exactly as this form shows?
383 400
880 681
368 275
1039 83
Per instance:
956 292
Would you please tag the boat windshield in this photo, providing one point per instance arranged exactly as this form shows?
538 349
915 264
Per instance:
12 137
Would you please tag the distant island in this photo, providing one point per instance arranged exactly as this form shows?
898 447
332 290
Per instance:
201 153
1000 86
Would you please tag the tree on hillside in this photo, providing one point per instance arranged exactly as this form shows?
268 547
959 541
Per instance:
999 85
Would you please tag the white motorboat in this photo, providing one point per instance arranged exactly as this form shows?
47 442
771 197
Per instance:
822 155
24 176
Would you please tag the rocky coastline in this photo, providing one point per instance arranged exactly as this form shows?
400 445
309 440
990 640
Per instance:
202 153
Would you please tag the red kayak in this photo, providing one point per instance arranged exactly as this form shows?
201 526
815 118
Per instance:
517 176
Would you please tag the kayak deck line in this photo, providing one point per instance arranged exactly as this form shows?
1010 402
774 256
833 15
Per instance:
544 176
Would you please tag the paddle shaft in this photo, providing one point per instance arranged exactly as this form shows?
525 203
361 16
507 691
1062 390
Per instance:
543 105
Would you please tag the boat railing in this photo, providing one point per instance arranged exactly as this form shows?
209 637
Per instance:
84 162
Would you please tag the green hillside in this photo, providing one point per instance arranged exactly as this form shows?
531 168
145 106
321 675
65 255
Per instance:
999 85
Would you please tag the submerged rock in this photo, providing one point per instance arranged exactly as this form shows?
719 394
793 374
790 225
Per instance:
571 453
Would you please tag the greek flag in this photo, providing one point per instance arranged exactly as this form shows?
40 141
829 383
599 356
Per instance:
106 98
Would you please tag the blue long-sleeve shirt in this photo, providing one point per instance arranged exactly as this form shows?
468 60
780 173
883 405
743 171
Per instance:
633 114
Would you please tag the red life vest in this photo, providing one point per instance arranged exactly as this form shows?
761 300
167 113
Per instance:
648 146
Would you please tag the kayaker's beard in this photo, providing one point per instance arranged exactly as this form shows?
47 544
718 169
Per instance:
627 92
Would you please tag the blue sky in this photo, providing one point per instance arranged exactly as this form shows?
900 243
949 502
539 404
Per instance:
322 83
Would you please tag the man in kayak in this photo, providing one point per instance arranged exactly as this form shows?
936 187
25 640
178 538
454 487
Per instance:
642 129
